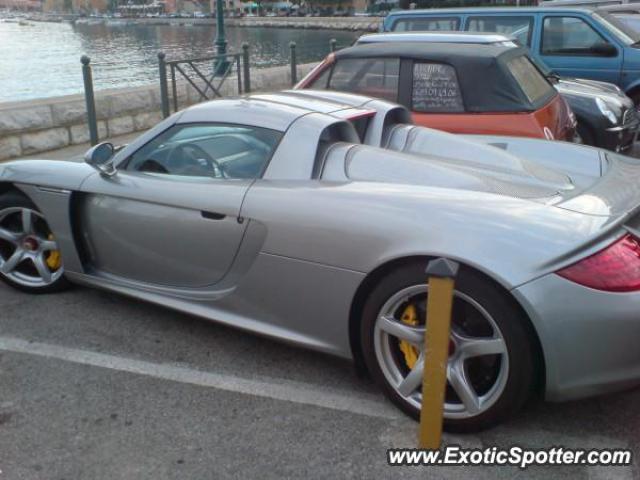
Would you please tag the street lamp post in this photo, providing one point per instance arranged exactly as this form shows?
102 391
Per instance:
221 42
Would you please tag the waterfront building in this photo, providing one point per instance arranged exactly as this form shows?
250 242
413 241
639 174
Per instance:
229 5
75 6
89 6
141 8
23 5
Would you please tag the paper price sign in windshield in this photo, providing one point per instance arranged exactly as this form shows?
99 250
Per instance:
436 88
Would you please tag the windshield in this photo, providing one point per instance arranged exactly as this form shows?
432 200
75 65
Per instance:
623 32
631 21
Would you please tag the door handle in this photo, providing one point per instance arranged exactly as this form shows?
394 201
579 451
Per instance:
213 215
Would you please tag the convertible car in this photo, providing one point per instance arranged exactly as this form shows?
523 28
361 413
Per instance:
310 217
605 116
455 87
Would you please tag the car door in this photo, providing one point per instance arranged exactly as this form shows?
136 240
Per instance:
171 214
572 45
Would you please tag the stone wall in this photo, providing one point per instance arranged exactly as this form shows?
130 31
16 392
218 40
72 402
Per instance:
31 127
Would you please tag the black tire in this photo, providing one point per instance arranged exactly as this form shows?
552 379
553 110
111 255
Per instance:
516 332
587 136
16 199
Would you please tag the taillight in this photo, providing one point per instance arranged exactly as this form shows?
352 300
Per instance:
614 269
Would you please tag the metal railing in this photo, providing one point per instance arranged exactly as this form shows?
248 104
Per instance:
206 75
293 56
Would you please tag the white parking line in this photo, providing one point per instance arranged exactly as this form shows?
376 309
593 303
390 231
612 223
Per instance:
276 389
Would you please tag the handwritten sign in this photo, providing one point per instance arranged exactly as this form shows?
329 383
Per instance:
436 88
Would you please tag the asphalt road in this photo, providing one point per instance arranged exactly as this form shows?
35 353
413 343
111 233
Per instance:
98 386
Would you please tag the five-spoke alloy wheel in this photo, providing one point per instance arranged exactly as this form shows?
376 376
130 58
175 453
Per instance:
486 379
478 362
29 255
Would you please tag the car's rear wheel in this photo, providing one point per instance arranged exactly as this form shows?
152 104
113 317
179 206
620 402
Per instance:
29 255
490 371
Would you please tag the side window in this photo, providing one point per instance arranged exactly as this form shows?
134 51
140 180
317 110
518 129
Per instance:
518 27
207 150
426 24
435 89
376 77
570 36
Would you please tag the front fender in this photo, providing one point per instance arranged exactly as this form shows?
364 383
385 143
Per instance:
46 173
50 184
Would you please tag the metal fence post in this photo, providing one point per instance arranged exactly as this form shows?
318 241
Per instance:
245 64
238 61
294 66
332 45
164 94
174 87
90 99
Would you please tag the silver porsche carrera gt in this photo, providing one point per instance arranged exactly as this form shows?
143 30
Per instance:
310 217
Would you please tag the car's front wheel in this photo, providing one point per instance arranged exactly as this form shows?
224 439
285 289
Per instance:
29 255
491 369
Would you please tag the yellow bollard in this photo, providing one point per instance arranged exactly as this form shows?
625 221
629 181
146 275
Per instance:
441 273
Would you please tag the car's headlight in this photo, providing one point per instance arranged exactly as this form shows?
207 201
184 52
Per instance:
606 111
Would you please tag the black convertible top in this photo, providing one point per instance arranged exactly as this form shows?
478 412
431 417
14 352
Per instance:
485 80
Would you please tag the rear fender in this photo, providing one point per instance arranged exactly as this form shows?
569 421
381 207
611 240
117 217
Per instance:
582 163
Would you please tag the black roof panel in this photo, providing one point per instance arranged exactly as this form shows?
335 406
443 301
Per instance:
485 80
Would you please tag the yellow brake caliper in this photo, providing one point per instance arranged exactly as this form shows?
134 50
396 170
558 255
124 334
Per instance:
54 260
409 317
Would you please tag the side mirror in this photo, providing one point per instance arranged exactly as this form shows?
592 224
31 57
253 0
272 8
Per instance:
604 50
99 157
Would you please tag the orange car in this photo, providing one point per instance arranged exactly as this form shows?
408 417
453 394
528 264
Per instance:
459 88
